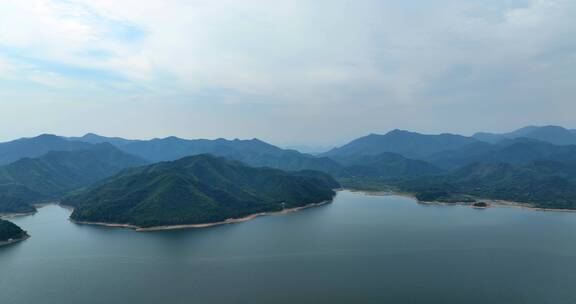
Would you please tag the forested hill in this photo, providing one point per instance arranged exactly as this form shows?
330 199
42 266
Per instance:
197 189
50 176
9 231
545 184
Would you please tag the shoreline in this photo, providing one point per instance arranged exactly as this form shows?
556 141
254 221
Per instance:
36 206
13 215
14 241
491 202
204 225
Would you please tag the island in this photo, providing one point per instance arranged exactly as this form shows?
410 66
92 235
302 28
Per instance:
10 233
197 191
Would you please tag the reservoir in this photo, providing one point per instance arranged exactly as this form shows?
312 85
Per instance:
359 249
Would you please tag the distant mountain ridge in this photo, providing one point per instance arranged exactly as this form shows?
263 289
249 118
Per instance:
257 153
253 152
408 144
97 139
37 146
551 134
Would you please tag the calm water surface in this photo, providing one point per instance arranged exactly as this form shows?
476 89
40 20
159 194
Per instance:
360 249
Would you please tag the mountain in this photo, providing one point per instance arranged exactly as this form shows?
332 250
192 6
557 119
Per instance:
58 172
172 148
37 146
551 134
554 135
16 198
511 151
10 232
309 149
97 139
194 190
408 144
488 137
385 165
253 152
48 177
544 184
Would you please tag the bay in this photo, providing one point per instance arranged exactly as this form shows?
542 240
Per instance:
359 249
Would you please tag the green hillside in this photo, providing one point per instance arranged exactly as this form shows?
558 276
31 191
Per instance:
197 189
544 184
50 176
9 231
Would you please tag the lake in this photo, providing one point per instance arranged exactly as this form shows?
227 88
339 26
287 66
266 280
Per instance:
359 249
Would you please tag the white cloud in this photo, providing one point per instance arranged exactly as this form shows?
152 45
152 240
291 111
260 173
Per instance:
5 68
309 60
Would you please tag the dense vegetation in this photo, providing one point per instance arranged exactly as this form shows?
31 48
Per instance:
9 231
48 177
528 165
523 166
518 151
16 198
544 184
197 189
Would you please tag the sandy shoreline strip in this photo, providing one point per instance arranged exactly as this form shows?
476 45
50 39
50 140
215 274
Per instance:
205 225
37 206
490 202
13 215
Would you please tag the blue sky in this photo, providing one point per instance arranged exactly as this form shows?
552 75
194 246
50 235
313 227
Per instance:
290 72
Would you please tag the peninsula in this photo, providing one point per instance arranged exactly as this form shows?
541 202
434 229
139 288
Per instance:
10 233
197 191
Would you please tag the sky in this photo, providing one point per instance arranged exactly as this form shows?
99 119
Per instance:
291 72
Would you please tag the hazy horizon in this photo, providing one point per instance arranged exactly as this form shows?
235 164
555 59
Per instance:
315 73
302 147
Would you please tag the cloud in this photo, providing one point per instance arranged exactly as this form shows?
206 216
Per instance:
378 63
254 47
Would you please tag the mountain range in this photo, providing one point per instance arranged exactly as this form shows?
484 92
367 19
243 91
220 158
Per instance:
48 167
253 152
448 151
533 165
408 144
37 146
551 134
